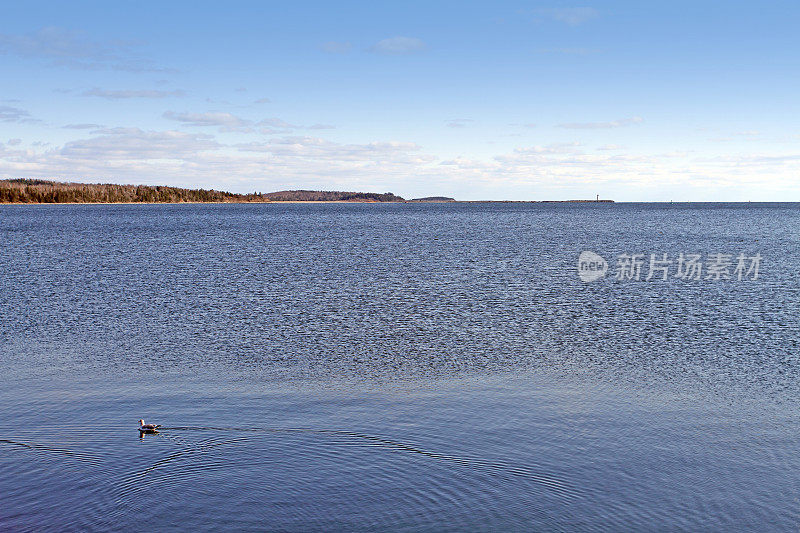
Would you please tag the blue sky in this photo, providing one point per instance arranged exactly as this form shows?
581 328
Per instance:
633 101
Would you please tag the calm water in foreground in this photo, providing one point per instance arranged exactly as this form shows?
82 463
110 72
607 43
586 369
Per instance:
396 367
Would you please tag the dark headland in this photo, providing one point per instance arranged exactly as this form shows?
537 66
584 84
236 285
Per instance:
38 191
332 196
433 199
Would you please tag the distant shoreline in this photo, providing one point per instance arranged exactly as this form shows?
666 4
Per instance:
24 191
328 202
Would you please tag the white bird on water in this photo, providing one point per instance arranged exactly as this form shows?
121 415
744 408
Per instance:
148 428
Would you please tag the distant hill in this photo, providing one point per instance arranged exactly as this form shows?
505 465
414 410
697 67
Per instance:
34 191
26 191
332 196
433 199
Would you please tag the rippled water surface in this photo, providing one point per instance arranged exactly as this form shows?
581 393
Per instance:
396 367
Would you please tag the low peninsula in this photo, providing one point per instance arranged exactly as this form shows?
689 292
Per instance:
331 196
433 199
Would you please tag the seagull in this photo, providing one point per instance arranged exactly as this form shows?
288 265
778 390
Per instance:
148 428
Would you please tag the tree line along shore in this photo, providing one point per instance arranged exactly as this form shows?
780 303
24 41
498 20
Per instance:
36 191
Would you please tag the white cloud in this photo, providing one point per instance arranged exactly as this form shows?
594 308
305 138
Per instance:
398 46
262 101
602 125
755 159
14 142
552 148
322 149
137 144
15 114
539 155
608 147
276 123
229 122
82 126
128 93
223 121
133 155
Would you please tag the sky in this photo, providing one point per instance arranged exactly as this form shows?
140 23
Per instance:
629 100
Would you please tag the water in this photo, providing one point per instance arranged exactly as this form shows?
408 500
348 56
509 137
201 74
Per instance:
400 367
